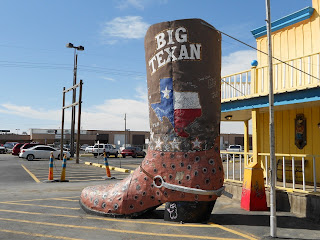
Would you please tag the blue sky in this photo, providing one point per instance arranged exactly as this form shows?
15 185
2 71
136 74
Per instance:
35 64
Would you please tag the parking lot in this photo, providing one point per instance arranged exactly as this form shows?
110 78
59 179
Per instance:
32 209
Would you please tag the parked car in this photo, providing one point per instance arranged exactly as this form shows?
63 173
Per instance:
3 149
84 146
89 149
9 146
27 145
16 149
41 151
133 151
101 148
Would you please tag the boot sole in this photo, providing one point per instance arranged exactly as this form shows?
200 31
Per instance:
114 215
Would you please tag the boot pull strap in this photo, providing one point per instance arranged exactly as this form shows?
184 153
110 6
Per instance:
158 182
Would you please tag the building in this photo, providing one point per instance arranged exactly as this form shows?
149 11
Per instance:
117 138
90 137
296 81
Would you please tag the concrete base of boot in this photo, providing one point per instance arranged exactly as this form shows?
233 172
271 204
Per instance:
190 212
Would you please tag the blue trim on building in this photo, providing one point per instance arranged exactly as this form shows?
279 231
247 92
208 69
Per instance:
286 21
302 96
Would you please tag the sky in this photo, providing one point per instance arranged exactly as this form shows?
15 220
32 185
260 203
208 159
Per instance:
35 64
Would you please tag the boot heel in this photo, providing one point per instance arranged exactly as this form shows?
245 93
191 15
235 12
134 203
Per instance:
190 212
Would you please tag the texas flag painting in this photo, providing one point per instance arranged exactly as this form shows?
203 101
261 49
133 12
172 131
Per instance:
181 108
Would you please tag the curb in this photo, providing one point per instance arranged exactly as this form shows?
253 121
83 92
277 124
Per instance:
111 167
86 155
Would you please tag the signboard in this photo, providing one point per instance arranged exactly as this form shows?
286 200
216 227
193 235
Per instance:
5 131
300 131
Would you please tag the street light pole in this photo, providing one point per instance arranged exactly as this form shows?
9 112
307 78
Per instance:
273 217
125 130
74 93
73 114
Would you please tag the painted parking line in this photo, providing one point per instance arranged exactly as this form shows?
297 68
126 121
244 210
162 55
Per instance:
31 174
44 199
210 225
116 230
75 199
38 235
78 174
247 236
45 206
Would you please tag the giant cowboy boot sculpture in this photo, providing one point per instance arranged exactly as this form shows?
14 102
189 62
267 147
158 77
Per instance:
182 166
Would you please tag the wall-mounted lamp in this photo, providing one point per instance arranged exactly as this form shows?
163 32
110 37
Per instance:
228 117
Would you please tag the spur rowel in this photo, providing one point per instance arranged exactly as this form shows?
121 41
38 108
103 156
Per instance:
182 167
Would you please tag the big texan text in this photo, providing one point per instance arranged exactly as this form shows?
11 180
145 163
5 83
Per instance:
173 45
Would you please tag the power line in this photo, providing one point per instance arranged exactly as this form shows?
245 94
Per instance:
267 55
84 68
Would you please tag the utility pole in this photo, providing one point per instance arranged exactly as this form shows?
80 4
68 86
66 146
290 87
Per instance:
273 172
79 123
73 113
62 123
125 130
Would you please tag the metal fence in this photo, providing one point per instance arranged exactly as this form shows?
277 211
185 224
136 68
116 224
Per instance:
294 171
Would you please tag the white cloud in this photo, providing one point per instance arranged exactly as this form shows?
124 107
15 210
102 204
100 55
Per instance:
110 115
27 111
129 27
237 61
108 79
107 116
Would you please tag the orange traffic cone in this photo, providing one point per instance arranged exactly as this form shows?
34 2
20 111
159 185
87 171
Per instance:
63 172
107 167
50 175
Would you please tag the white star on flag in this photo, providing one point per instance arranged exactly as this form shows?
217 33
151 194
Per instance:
166 93
196 143
158 143
175 144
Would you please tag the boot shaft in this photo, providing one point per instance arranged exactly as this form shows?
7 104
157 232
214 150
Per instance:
183 61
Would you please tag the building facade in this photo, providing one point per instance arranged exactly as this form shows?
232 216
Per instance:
296 82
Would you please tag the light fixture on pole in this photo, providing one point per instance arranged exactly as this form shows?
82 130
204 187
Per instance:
79 48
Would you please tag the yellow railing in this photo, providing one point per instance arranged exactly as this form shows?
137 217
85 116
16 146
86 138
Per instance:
237 160
304 73
293 170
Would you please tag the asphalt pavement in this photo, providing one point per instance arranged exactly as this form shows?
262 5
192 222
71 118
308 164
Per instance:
32 209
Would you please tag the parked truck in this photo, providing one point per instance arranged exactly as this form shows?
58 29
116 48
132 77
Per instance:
234 148
99 149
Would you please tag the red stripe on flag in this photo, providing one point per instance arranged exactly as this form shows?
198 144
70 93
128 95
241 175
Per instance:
182 118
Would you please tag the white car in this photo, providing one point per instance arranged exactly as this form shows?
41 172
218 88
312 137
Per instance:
41 151
89 149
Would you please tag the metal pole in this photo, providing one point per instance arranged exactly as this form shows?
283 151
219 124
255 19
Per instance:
62 124
79 122
273 217
73 114
125 130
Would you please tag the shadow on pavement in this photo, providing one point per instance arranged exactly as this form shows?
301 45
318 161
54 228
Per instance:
263 220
